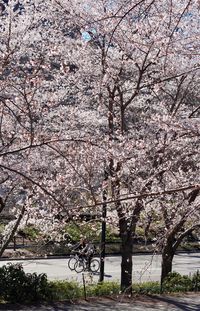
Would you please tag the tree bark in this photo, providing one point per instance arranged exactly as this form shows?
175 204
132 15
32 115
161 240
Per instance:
2 205
5 245
126 263
171 244
167 259
126 235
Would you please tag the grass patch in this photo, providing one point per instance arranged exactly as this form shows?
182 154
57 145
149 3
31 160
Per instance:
146 288
64 290
103 289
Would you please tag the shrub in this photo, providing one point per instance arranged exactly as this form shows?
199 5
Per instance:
12 277
29 232
175 282
17 286
196 281
36 287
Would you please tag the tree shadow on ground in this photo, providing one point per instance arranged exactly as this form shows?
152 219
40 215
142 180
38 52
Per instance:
184 304
105 274
158 303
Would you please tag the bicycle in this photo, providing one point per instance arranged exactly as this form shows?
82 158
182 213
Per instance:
72 261
82 265
80 262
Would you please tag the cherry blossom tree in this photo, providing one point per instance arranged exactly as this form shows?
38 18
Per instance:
141 50
40 147
93 88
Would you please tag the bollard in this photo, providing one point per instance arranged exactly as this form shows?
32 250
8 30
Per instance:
84 288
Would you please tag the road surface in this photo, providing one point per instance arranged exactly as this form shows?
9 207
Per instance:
145 267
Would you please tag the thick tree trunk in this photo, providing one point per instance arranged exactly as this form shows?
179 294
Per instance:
10 237
171 244
167 259
126 263
127 231
126 267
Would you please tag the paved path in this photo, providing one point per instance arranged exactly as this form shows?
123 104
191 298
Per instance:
188 302
145 267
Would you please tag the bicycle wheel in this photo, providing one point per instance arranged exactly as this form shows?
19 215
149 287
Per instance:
71 263
79 266
94 265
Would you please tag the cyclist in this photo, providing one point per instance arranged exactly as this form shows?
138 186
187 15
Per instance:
78 247
88 252
85 250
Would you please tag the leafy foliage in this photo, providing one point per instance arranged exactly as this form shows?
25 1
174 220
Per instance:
196 281
91 231
17 286
61 290
176 282
30 232
105 288
147 288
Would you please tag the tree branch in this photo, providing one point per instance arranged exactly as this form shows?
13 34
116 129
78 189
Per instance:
145 195
183 235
